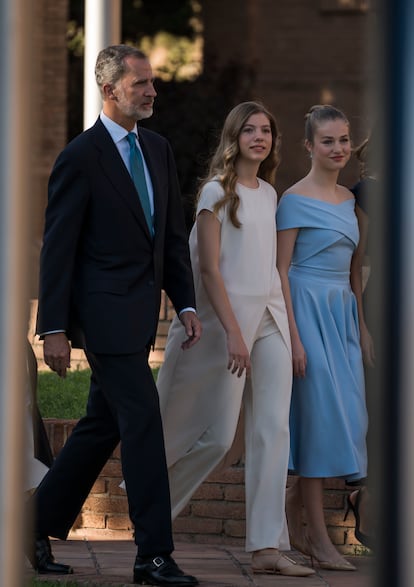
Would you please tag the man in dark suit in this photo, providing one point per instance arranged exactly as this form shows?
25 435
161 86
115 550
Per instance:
103 265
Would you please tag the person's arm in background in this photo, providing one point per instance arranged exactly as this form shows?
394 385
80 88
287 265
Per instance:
67 200
285 244
367 345
178 276
208 237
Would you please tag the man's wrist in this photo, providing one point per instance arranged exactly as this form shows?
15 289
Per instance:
189 309
51 332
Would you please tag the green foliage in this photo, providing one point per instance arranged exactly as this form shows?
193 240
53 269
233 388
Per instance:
173 57
75 39
360 550
65 398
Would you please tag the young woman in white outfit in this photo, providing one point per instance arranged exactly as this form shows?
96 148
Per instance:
244 352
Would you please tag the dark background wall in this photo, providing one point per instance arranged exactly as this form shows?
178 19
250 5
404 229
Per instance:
299 53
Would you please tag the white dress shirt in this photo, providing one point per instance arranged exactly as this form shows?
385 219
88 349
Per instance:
119 136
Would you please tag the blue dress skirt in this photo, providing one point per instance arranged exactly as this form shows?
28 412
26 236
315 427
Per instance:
328 417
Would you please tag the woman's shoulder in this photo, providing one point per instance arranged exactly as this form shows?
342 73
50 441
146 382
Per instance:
291 206
212 188
306 193
301 187
210 193
297 208
266 186
293 198
345 192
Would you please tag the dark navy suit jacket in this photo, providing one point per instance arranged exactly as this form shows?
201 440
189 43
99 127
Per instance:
101 272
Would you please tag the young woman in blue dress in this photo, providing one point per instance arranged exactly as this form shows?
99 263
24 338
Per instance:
317 239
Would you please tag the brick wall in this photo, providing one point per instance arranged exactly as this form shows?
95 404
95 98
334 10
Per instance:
50 85
216 514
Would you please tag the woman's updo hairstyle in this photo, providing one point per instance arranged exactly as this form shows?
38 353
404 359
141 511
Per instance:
367 155
319 114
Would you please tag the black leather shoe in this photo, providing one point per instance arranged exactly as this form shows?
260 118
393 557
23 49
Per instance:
160 570
43 561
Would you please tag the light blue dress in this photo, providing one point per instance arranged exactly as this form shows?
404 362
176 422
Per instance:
328 418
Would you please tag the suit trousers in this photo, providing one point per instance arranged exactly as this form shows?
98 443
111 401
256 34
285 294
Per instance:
122 406
266 402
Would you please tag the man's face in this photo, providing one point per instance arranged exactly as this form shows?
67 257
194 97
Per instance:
134 93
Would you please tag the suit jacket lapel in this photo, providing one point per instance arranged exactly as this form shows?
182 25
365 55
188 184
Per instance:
113 167
151 156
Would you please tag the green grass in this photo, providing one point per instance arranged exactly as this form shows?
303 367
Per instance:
64 398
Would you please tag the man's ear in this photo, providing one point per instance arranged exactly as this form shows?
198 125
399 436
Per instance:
108 92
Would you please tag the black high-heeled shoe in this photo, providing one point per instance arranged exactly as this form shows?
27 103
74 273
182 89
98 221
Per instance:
364 539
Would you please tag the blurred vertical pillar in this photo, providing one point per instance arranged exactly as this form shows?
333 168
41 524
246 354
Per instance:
403 136
102 28
17 116
394 485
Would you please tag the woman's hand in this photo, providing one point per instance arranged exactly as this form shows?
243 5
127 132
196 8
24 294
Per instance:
209 246
239 358
367 346
298 358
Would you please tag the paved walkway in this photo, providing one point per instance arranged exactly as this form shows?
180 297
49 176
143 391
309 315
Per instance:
108 563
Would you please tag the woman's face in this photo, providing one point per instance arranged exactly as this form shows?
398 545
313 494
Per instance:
331 148
255 139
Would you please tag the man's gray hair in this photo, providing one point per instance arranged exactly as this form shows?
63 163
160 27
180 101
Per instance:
110 63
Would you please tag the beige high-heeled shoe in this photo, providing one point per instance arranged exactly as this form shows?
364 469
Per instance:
274 562
337 564
297 538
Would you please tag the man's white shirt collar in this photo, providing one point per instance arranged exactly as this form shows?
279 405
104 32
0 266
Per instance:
116 131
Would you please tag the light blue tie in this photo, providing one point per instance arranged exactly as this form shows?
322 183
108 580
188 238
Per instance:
138 176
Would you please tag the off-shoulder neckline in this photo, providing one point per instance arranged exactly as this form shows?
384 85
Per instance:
318 199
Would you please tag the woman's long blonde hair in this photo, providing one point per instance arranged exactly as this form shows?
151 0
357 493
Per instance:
222 165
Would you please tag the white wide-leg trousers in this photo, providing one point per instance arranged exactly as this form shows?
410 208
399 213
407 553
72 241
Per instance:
266 395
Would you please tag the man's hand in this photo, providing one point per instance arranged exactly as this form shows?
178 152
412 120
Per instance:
192 327
56 352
